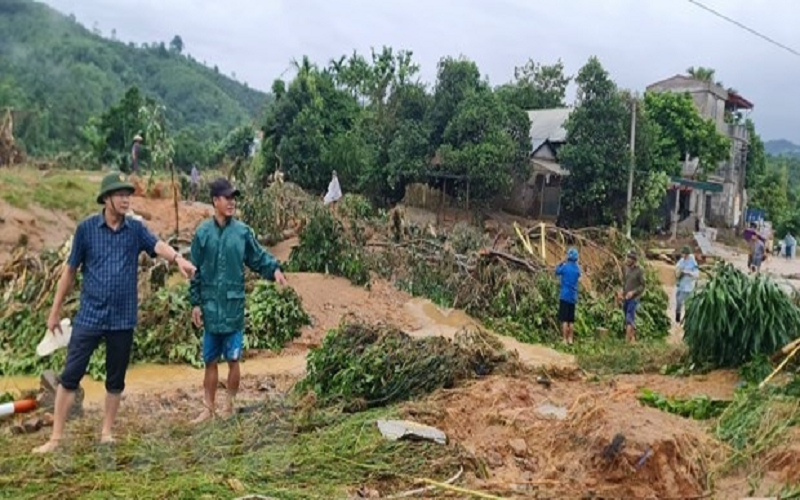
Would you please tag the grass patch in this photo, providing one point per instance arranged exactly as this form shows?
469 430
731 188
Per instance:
72 192
270 451
615 356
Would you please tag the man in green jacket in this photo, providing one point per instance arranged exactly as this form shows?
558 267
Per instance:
221 248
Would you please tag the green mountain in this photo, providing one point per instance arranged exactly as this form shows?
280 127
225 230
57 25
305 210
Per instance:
55 74
782 147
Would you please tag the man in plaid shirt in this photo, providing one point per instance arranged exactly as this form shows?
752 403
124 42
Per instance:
106 248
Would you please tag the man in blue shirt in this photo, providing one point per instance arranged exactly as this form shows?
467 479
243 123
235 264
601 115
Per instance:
106 248
686 271
570 273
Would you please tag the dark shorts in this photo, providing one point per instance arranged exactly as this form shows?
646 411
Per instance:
82 344
630 311
228 346
566 312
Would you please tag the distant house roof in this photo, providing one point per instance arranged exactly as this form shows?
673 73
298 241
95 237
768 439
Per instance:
547 125
686 83
548 167
740 102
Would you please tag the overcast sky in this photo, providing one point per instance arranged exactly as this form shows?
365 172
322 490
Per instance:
638 41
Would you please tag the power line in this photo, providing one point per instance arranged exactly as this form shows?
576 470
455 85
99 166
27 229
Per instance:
746 28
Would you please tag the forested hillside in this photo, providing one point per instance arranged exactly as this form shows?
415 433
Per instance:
782 147
55 74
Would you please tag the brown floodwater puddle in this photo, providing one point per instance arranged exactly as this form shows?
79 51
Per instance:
431 320
152 378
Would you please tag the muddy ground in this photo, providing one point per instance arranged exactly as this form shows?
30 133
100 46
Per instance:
529 439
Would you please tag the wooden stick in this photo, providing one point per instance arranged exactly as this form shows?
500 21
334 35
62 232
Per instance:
411 493
456 489
779 368
787 349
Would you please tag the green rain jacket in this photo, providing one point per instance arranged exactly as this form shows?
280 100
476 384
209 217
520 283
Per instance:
220 254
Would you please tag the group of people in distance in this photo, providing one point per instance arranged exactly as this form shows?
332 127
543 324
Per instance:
633 286
106 248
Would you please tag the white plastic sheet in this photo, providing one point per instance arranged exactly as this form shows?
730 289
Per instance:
334 191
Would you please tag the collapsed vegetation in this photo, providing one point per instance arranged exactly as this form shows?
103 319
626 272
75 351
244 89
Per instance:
165 333
507 285
363 366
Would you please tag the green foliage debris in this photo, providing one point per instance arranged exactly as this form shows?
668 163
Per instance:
734 317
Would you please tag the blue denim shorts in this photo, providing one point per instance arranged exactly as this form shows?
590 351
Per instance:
226 345
630 311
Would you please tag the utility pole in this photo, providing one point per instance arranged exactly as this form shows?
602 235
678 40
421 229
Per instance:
629 209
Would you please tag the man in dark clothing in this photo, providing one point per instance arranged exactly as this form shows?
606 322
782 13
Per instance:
570 273
633 288
106 249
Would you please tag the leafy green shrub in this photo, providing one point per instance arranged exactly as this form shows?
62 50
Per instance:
466 238
356 206
275 317
698 407
165 333
325 248
259 210
734 318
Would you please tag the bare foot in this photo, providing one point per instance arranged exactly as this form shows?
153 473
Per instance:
205 415
107 439
48 447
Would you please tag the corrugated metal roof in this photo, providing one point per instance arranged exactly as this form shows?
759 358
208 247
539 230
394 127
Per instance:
551 167
548 125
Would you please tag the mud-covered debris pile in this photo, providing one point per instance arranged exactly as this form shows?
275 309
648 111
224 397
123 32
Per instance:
573 440
362 366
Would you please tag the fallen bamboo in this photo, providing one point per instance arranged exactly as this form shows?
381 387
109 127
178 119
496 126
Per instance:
779 368
417 491
786 349
456 489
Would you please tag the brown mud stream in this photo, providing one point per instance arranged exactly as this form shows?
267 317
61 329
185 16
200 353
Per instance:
426 316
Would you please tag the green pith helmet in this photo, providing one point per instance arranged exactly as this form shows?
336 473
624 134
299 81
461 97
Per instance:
115 181
686 250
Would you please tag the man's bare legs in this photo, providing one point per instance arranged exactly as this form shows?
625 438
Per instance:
234 375
63 403
630 333
210 382
568 333
110 416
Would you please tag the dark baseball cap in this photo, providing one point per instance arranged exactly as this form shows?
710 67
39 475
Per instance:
223 187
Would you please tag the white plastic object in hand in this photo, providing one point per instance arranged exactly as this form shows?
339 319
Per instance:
54 341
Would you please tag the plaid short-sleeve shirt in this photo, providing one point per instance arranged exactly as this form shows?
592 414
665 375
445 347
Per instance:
109 262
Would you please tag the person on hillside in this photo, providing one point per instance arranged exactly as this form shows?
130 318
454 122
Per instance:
789 245
137 146
222 246
106 248
687 272
334 193
570 273
632 290
195 180
759 254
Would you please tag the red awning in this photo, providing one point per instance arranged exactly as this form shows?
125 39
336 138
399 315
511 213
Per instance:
739 101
